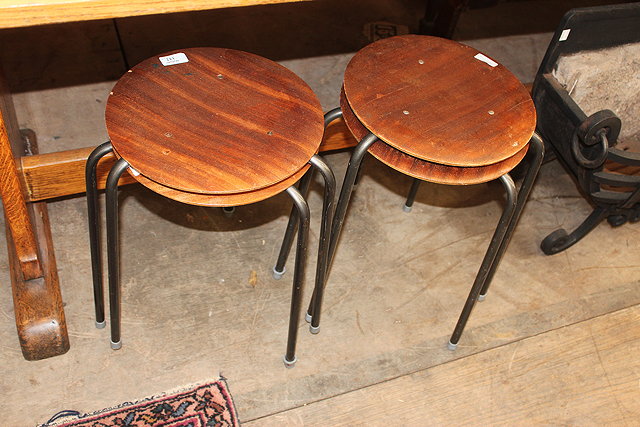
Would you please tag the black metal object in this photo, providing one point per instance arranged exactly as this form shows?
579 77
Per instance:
303 187
113 250
292 226
94 229
113 266
498 240
584 144
300 217
534 158
323 248
411 197
298 274
501 237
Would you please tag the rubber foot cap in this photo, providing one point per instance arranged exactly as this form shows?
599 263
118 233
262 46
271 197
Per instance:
278 274
116 345
407 208
101 325
481 297
308 318
288 364
451 346
314 330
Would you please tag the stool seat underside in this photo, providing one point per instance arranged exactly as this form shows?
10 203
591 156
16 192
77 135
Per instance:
422 169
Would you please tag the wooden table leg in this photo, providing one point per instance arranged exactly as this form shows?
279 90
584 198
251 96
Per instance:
37 301
441 16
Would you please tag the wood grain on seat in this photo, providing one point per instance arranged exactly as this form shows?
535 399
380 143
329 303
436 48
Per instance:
427 171
432 99
224 122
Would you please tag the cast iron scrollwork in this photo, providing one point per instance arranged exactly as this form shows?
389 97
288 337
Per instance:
591 140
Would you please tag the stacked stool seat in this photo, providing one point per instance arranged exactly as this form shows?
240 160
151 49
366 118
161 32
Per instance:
442 112
210 127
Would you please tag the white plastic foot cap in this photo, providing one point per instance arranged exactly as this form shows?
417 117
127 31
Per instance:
116 345
101 325
289 364
452 346
278 274
481 297
308 318
407 208
313 330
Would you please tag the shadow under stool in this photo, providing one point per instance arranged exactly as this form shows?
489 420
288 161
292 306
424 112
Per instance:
442 112
210 127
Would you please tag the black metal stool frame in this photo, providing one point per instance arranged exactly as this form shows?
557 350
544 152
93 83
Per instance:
300 208
328 212
516 201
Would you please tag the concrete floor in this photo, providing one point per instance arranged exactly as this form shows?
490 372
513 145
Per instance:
190 310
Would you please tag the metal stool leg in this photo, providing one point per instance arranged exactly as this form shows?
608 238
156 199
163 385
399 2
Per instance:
94 229
228 210
292 225
113 250
345 193
303 187
355 161
411 197
298 275
496 241
358 177
536 151
323 247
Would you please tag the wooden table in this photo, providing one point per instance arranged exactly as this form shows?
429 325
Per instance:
28 178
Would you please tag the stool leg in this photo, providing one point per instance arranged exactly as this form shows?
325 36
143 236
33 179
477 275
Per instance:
298 275
411 197
355 161
358 177
228 210
496 242
94 229
292 225
303 187
113 250
536 151
323 246
345 192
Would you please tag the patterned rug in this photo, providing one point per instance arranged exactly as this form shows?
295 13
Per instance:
207 405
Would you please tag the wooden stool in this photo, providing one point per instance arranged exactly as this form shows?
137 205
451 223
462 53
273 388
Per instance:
442 112
210 127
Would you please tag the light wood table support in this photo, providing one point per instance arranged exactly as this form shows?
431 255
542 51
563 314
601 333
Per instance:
37 301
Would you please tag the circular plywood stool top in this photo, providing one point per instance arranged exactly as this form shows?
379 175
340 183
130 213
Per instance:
214 121
439 100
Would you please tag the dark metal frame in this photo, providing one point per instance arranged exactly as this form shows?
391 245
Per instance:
325 240
516 201
300 215
583 144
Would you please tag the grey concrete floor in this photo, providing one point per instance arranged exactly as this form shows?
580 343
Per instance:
191 313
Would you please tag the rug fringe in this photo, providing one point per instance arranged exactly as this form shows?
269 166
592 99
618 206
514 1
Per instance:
58 419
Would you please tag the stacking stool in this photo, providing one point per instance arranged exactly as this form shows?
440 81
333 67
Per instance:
442 112
210 127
